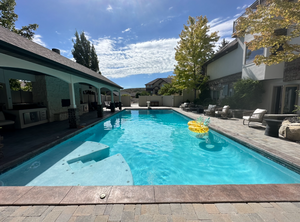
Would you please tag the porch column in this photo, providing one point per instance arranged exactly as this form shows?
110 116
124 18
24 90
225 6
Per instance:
99 104
112 103
74 120
9 103
120 101
72 96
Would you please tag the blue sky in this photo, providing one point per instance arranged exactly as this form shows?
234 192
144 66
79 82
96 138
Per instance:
134 39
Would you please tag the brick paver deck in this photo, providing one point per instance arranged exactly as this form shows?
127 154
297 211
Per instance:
221 212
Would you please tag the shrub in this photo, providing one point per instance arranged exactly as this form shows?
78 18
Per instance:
247 94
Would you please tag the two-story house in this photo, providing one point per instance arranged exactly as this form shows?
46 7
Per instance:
280 81
154 86
224 69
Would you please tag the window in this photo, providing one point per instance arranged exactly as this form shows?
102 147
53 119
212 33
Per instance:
250 55
216 94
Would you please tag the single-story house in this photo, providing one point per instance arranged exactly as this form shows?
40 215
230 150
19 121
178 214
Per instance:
61 88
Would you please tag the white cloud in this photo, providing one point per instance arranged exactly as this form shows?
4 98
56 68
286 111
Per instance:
169 18
170 8
238 15
126 30
57 32
109 8
38 39
67 52
223 26
241 7
87 35
156 56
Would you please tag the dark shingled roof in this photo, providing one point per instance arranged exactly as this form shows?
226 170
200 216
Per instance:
225 50
18 46
168 80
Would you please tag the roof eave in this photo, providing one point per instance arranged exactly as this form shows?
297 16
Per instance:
26 55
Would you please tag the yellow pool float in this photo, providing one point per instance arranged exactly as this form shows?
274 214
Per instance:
199 126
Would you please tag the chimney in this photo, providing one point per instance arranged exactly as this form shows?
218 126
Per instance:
56 50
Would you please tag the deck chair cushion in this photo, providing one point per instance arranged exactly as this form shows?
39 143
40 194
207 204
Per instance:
225 109
258 113
211 107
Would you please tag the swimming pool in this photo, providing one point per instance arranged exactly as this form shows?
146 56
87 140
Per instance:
159 150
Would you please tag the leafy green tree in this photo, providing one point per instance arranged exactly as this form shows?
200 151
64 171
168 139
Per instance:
169 89
194 49
265 24
15 84
94 60
145 93
8 17
28 86
84 53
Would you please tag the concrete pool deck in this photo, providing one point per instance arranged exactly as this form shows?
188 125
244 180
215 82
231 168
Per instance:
273 202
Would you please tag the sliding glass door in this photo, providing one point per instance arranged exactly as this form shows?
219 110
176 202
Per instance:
285 99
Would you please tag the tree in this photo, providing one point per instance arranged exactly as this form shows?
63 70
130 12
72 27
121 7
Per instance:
194 49
84 53
15 84
28 86
94 60
268 24
169 89
8 17
223 44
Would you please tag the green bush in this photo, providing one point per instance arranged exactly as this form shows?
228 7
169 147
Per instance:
247 94
204 97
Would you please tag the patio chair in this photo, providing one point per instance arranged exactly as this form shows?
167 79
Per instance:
224 113
107 104
256 116
210 111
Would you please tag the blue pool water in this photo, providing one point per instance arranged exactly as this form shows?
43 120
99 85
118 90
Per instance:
160 150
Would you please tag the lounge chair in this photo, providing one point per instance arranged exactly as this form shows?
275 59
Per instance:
107 104
256 116
224 113
210 111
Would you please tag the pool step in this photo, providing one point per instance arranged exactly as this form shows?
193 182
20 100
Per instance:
88 165
87 154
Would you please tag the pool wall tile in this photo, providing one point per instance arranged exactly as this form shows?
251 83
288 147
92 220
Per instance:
131 194
9 195
86 195
44 195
